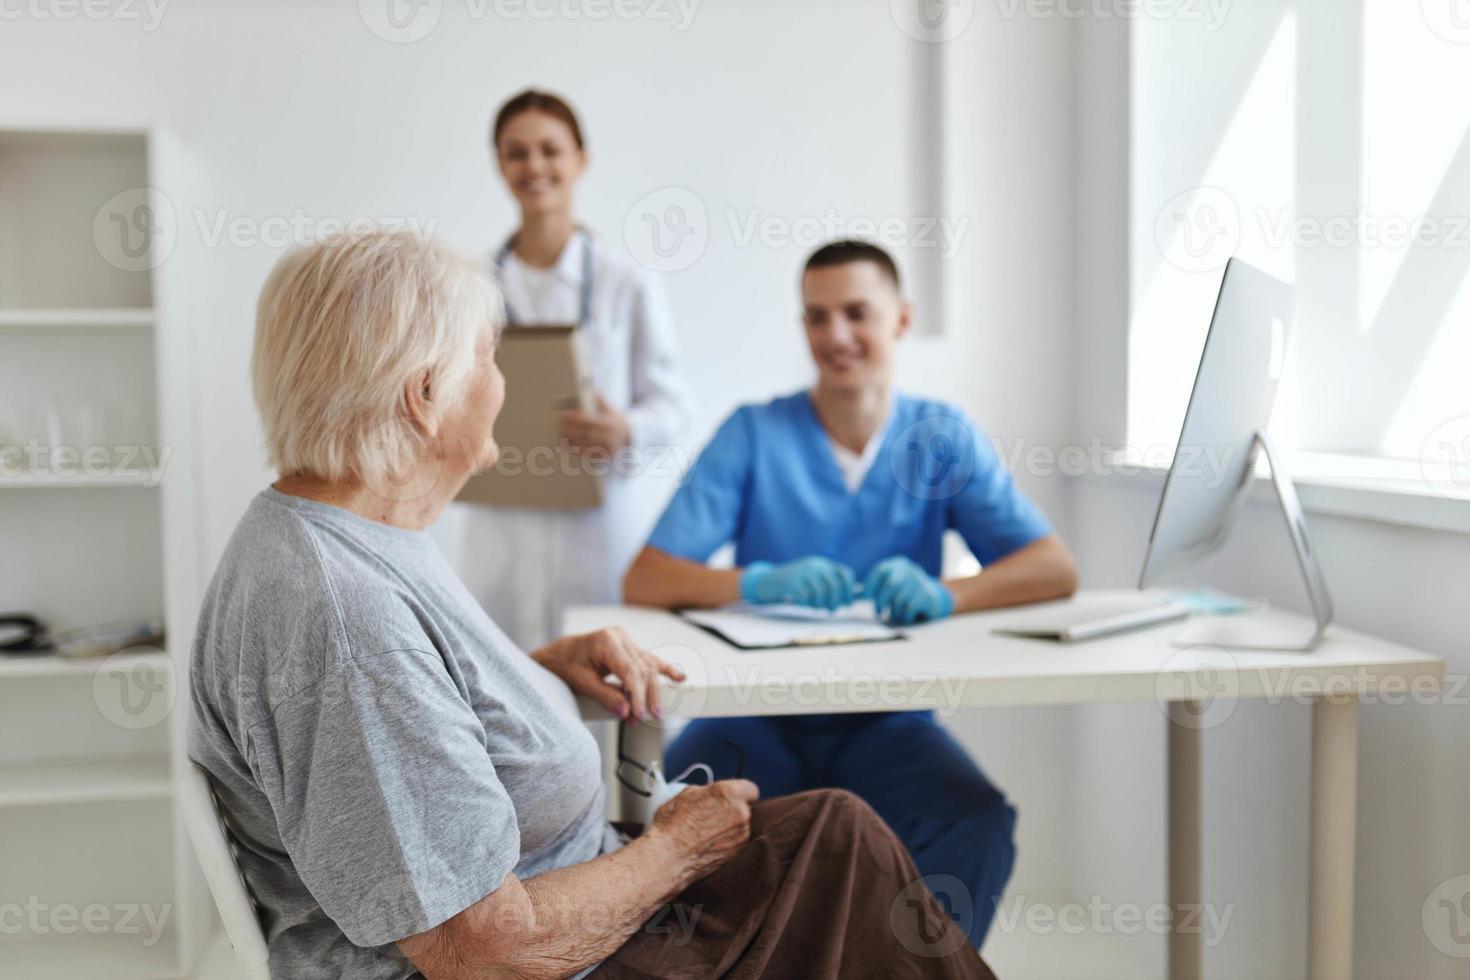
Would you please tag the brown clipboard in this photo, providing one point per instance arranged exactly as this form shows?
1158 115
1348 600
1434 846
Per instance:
544 375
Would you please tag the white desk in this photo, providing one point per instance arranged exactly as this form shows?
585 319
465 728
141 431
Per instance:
959 662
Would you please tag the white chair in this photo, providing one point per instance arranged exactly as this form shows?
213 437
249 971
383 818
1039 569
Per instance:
216 853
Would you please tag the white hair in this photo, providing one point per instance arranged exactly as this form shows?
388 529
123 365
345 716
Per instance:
342 326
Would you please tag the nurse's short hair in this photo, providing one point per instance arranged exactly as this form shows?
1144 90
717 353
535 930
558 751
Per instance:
847 250
341 326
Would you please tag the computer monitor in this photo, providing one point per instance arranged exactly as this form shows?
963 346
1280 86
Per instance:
1224 429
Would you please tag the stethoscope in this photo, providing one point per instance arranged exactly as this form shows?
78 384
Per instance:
584 312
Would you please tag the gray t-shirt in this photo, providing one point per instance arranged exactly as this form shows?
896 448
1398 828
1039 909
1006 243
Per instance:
383 753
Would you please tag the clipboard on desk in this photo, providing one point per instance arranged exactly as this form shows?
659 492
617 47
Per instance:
748 627
544 375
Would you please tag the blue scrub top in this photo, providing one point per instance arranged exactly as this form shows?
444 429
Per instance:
769 482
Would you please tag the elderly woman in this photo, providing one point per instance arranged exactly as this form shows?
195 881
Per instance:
411 794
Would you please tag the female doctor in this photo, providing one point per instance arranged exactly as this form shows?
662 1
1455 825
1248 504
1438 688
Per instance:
525 565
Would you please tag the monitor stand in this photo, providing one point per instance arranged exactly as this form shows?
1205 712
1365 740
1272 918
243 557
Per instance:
1249 631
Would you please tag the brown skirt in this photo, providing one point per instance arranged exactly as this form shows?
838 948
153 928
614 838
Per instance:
823 889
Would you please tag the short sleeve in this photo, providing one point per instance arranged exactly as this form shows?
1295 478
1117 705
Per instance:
385 796
708 509
991 513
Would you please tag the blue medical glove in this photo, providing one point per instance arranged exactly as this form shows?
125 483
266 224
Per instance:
904 593
818 582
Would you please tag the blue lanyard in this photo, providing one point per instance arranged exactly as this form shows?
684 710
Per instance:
584 311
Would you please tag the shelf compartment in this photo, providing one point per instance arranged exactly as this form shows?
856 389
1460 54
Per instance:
84 781
137 479
100 318
50 665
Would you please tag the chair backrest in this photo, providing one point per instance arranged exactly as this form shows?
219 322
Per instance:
216 853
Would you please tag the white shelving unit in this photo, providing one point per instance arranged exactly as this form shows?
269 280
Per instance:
91 749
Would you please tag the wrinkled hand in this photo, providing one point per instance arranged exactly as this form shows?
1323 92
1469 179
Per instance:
904 593
603 431
813 581
706 825
585 661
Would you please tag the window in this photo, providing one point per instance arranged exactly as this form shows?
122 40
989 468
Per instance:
1329 144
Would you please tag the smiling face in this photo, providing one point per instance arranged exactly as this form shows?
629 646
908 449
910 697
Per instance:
540 161
854 318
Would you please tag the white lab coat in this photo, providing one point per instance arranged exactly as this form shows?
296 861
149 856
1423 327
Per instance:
525 566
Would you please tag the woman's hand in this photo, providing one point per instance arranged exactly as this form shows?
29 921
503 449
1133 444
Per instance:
705 826
584 663
605 431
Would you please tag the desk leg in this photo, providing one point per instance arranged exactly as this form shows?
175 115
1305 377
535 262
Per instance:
1334 824
1185 959
644 743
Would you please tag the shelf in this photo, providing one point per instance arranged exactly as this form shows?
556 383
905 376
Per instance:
50 665
76 319
145 479
58 781
82 954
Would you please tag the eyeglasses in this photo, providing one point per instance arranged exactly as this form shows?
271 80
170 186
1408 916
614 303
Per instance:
643 779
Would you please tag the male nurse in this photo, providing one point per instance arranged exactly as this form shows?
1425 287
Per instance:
845 491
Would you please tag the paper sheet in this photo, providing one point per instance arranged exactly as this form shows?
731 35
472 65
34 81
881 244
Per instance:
767 627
